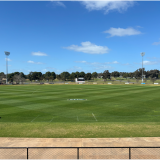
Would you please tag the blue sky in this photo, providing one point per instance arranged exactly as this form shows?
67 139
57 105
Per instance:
79 36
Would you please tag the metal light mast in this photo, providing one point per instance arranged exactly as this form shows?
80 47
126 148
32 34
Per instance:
142 54
7 54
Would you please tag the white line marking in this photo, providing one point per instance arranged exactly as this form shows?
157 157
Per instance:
94 116
35 118
35 91
77 118
51 120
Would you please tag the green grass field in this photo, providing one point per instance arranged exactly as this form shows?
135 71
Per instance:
107 111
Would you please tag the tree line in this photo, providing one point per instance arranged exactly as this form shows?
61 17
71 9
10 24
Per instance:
50 76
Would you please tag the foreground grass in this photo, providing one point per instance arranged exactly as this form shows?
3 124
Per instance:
81 130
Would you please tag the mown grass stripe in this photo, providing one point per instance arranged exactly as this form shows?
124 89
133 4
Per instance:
102 100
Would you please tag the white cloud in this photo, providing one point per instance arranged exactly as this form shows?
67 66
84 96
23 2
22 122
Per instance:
50 68
122 32
75 68
103 67
94 63
156 43
58 3
81 61
8 59
88 47
97 63
115 62
34 62
44 70
157 58
30 62
108 5
38 54
126 64
149 62
139 27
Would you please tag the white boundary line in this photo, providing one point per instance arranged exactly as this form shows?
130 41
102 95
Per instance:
77 118
94 116
51 120
35 118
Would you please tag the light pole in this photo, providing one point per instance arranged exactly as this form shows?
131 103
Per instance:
142 54
7 54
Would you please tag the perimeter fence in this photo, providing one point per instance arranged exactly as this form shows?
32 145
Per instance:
79 152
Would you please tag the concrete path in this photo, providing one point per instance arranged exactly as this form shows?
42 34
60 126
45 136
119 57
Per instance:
80 142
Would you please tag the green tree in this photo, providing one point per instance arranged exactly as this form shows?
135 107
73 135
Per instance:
138 72
23 75
82 74
94 75
131 75
53 75
17 78
88 76
100 74
47 75
106 75
10 77
72 76
125 75
115 74
30 76
2 75
58 76
39 75
65 75
41 78
76 74
36 75
16 73
153 73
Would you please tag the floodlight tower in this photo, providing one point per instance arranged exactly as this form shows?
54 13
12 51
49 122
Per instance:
142 54
7 54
